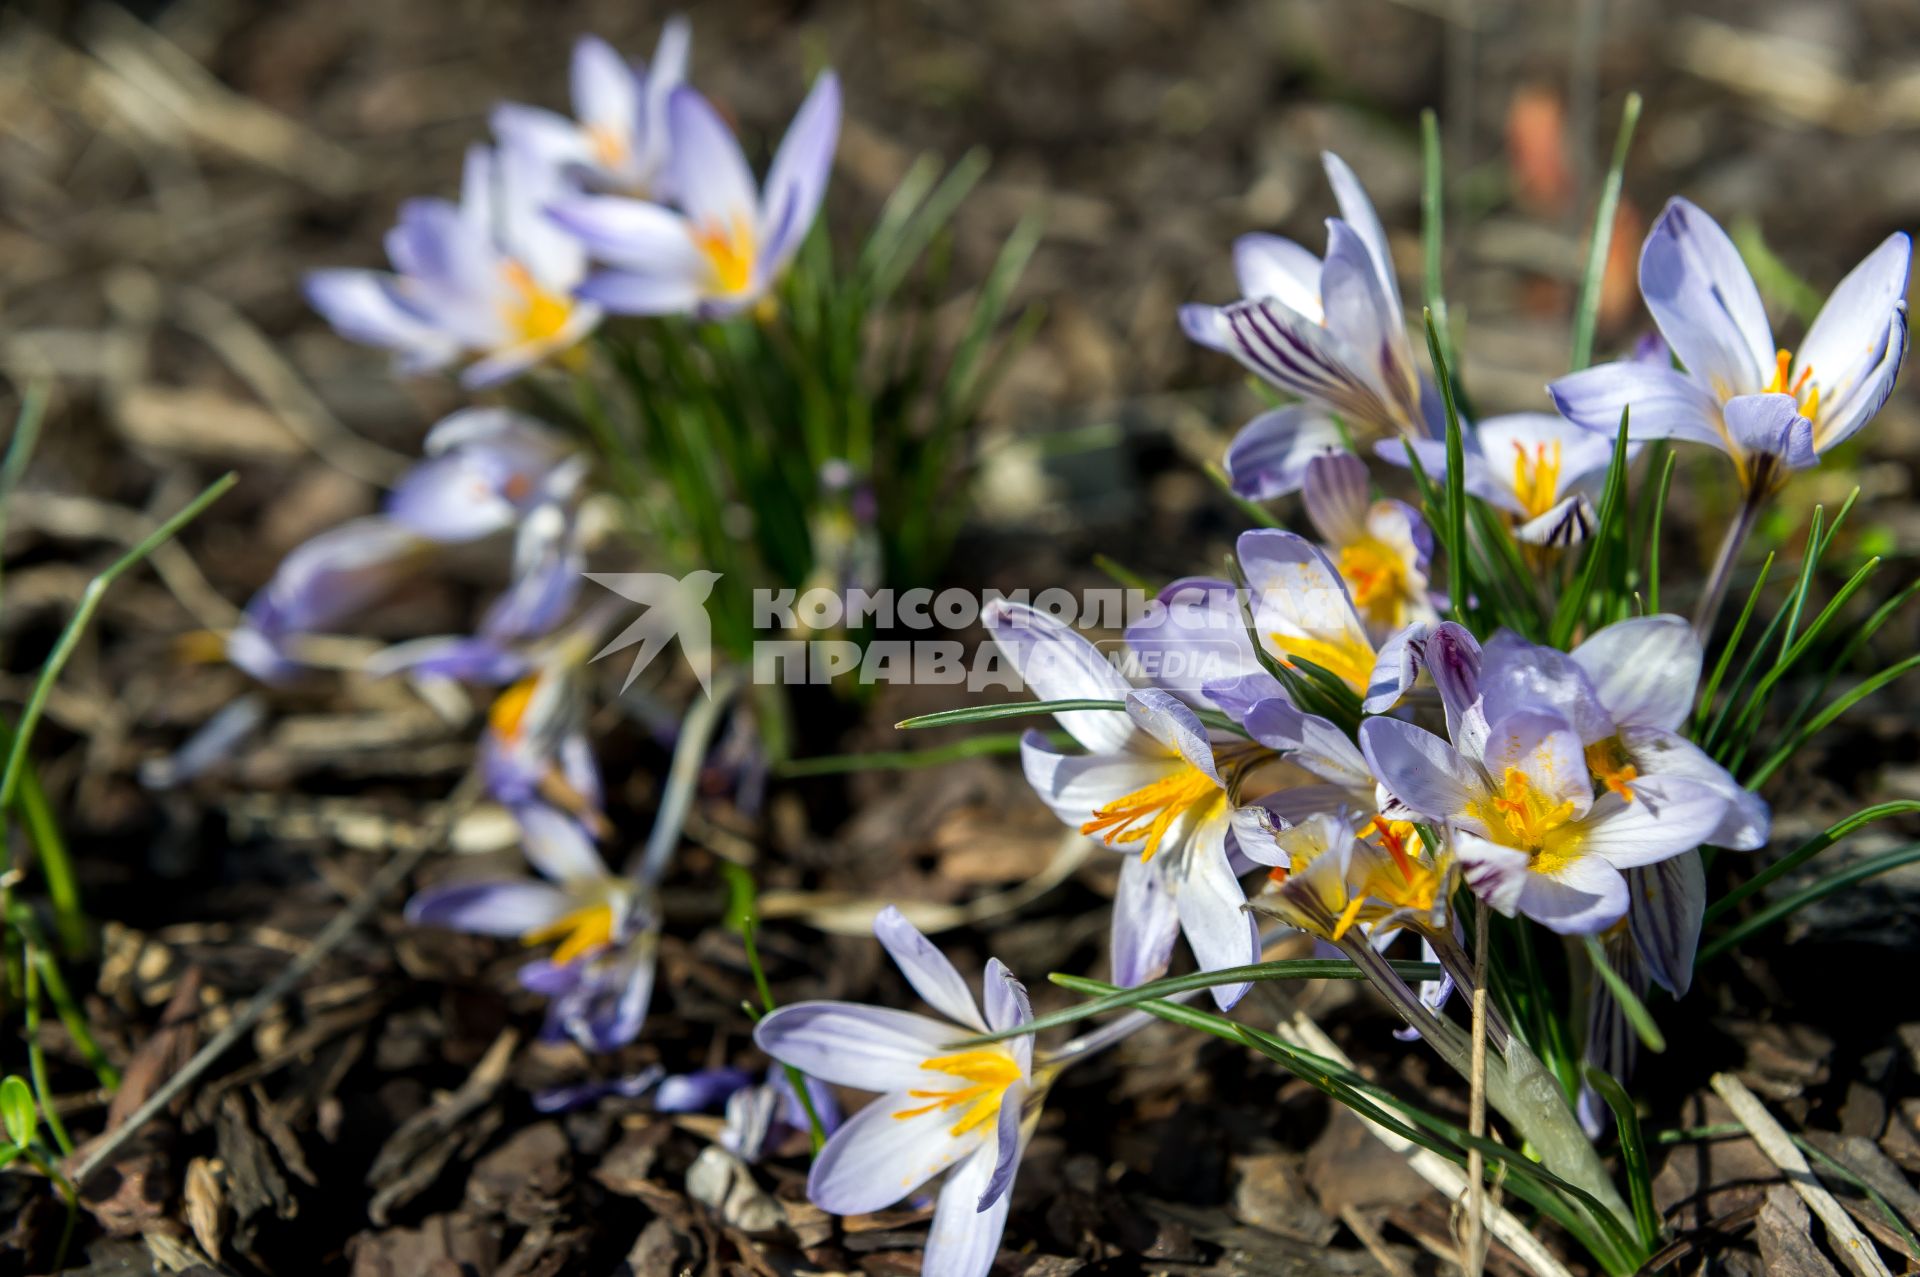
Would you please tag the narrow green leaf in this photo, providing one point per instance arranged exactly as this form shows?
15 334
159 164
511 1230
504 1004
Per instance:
993 713
1818 724
1433 237
1600 240
1459 582
1636 1011
1787 906
1806 851
1705 704
1653 534
908 760
1633 1153
1573 604
17 1112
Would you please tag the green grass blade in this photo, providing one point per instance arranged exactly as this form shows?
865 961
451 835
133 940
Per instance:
1459 583
1636 1011
1433 198
1573 604
1853 696
907 760
1808 850
1586 310
993 713
1704 705
1633 1154
1787 906
1653 533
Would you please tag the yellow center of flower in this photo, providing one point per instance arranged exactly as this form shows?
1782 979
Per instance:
533 314
509 710
1149 812
987 1072
1348 659
609 146
1536 476
1520 816
1377 579
1784 383
579 932
1607 760
729 251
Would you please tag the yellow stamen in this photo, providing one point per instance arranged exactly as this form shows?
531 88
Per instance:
1519 815
1347 659
989 1071
729 251
579 932
1377 579
609 146
509 710
1149 812
1785 383
1394 836
534 314
1536 478
1607 760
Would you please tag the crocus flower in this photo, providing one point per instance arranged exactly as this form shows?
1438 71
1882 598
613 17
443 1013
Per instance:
535 743
600 973
1771 410
1329 331
729 242
485 470
489 278
617 139
1303 610
965 1111
321 583
1152 785
761 1116
1268 458
1539 823
1541 469
1382 547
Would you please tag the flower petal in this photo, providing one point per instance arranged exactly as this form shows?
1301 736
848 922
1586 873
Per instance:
1419 769
869 1048
1304 359
1771 425
926 968
1145 922
1169 720
1212 908
1358 212
510 907
1270 455
1585 897
1853 406
557 846
1644 669
1668 815
1657 752
1337 497
877 1157
711 178
1666 905
1663 404
1076 785
966 1235
1543 747
1193 637
1309 741
1848 336
797 180
624 292
1008 1007
1006 1150
1057 663
1705 301
1270 266
361 307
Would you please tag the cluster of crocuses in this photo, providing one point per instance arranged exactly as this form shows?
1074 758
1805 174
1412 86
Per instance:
1559 787
641 204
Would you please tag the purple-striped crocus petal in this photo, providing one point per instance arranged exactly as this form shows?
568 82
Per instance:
509 907
1771 425
1668 815
699 1090
1057 664
1205 326
1396 667
1705 301
1567 523
1612 1045
878 1156
1666 905
1212 909
1302 358
1005 1150
1075 785
1270 455
1367 322
1145 922
1453 658
1309 741
1270 266
1852 407
1663 403
1421 770
1644 669
361 307
1193 638
1494 873
1654 751
711 178
966 1235
557 846
1357 211
1169 720
1008 1007
608 1008
797 180
1337 497
871 1048
926 969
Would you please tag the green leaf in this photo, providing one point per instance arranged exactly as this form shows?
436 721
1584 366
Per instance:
994 713
909 760
1433 200
17 1112
1653 533
1613 501
1636 1011
1787 906
1455 511
1600 239
1633 1153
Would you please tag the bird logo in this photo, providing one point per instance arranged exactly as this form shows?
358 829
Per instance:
674 607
